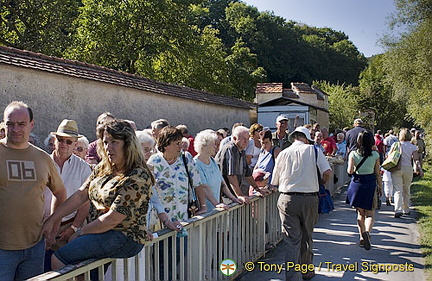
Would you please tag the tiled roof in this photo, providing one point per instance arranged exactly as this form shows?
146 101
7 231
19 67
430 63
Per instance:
304 88
27 59
263 88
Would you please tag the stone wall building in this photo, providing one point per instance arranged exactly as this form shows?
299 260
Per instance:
58 88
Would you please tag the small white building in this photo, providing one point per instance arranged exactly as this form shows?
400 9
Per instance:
309 103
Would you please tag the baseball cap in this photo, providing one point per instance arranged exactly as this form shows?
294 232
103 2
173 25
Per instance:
281 118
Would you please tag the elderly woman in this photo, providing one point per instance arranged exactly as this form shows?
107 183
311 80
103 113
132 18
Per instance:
119 190
147 144
172 180
402 178
254 147
81 148
211 176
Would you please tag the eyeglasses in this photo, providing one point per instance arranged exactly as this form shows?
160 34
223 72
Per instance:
79 149
68 142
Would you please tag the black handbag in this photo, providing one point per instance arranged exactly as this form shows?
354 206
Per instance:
193 204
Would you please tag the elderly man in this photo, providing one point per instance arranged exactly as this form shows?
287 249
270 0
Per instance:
296 175
351 135
235 170
73 171
156 126
25 170
280 137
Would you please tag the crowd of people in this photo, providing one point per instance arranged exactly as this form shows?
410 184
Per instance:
103 199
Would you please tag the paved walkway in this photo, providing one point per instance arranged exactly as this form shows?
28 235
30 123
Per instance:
395 244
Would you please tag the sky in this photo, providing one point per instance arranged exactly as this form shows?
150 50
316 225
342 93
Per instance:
363 21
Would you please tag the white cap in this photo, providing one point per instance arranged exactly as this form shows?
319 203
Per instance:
302 130
281 117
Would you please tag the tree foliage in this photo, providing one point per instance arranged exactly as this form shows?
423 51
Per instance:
408 62
343 103
377 95
38 25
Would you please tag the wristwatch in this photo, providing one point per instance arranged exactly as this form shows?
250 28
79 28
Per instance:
74 228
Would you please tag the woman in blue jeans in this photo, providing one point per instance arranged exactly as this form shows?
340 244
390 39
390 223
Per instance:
119 190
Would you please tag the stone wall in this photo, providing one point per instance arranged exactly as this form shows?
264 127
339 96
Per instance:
54 97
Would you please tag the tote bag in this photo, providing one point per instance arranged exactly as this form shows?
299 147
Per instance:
393 158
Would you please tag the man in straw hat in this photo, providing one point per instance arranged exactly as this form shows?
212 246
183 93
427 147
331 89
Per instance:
295 173
25 170
73 171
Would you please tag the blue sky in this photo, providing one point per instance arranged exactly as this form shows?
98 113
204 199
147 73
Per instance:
363 21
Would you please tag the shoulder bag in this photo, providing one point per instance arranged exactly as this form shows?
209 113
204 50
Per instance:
393 161
325 204
193 204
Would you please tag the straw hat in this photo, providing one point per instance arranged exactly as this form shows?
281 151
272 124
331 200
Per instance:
67 128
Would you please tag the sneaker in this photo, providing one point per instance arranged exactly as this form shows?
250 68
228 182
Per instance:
398 215
388 202
366 239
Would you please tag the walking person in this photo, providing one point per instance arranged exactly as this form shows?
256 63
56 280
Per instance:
364 165
402 178
296 175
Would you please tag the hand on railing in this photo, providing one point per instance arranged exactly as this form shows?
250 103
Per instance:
222 206
173 225
243 199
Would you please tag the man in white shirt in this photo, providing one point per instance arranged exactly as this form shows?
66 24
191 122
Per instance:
296 175
73 172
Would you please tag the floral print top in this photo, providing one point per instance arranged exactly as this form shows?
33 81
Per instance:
172 183
127 194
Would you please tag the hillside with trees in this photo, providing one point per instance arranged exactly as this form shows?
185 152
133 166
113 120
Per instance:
223 47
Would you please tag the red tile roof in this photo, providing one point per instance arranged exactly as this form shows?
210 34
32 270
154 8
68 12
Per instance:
37 61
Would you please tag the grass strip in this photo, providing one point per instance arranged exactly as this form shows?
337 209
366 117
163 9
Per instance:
421 197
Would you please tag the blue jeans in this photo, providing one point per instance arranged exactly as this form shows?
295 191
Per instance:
22 264
110 244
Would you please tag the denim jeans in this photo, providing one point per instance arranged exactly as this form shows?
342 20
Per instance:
22 264
110 244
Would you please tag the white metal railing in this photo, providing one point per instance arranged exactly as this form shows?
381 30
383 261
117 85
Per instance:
239 233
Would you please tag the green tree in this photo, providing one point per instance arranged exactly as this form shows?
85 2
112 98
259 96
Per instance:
377 95
38 25
343 103
140 37
408 61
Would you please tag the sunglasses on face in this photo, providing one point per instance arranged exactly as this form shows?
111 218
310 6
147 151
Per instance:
68 142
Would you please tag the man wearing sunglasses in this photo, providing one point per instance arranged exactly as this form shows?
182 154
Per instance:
73 171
